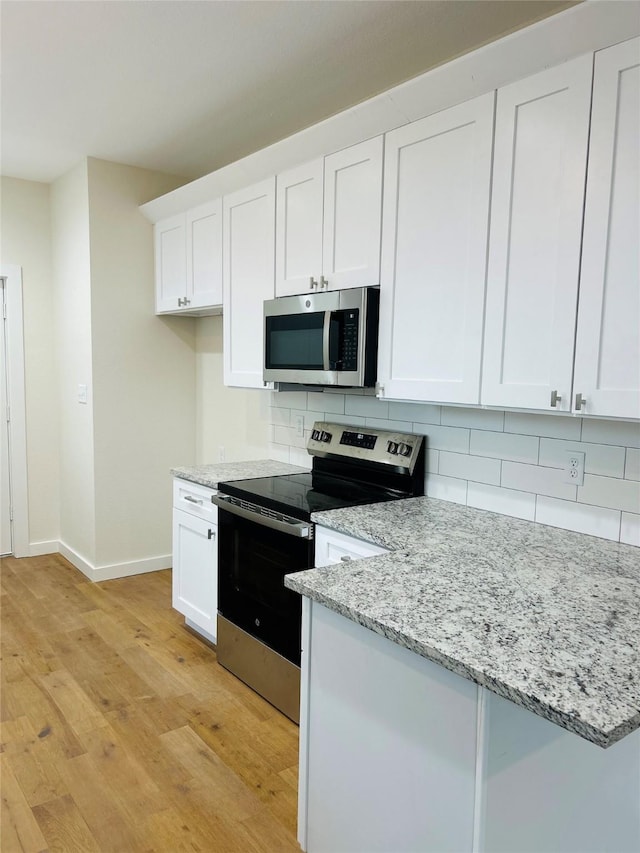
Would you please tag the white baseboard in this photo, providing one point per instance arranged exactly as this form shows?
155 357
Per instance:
39 549
113 571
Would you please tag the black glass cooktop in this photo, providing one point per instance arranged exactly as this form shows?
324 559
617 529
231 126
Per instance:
299 495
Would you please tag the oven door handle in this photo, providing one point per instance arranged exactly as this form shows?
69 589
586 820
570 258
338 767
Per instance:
301 529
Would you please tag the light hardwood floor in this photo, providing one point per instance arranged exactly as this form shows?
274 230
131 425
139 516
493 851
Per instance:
120 731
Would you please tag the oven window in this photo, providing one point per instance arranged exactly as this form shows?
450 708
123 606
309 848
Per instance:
252 563
294 342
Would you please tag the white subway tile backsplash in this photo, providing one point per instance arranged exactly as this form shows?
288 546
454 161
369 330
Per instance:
503 445
279 452
423 413
505 501
506 462
298 456
446 488
480 469
550 426
536 479
603 459
381 423
279 417
289 399
432 458
569 515
318 401
473 418
623 433
610 492
366 407
632 464
630 529
444 438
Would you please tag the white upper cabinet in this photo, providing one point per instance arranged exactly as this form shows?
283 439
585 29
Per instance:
248 279
437 180
607 363
170 263
541 138
204 255
188 261
328 221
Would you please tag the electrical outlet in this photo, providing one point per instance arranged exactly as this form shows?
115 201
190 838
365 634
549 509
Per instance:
299 424
574 467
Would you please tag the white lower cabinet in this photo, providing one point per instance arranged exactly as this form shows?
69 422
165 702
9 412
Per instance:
399 754
195 557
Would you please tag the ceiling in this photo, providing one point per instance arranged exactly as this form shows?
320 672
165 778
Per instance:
187 86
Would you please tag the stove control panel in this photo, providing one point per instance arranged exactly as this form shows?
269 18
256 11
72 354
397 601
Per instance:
380 446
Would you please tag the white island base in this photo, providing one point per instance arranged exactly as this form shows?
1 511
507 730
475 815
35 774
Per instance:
397 754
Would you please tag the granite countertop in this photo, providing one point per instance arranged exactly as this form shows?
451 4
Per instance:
211 475
547 618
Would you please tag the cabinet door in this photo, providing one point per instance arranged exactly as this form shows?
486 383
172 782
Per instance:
434 241
248 279
607 364
299 229
542 128
170 263
204 255
195 570
352 215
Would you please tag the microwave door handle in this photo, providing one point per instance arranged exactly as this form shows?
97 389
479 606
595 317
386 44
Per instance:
326 336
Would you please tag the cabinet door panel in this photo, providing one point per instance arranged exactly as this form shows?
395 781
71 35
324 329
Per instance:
194 573
248 279
299 228
170 263
542 126
435 219
204 254
352 215
607 371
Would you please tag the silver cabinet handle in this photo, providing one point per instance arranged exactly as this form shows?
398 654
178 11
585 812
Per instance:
555 399
193 500
345 558
211 534
323 283
581 401
313 282
183 302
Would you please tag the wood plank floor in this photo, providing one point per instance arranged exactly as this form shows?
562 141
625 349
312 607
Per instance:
121 733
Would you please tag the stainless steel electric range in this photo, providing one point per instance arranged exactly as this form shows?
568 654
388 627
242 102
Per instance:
265 532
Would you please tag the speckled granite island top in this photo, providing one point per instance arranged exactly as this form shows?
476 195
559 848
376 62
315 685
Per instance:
211 475
547 618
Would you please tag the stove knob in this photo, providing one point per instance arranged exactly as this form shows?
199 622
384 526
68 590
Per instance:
326 436
392 447
404 449
315 434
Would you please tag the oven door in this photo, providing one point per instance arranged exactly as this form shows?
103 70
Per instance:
254 554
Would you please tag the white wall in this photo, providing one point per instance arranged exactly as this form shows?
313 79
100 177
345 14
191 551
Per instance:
144 373
25 240
72 319
507 462
233 419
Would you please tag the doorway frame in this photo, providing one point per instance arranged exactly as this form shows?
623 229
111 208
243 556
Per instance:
14 329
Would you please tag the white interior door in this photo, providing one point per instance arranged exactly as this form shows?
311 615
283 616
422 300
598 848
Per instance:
5 489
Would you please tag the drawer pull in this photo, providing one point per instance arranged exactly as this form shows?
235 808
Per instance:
211 534
193 500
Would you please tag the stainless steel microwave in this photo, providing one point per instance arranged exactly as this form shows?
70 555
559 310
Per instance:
323 338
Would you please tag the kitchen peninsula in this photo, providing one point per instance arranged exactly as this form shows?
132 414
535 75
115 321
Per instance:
476 689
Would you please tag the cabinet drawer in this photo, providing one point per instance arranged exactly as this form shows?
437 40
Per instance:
333 547
194 499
